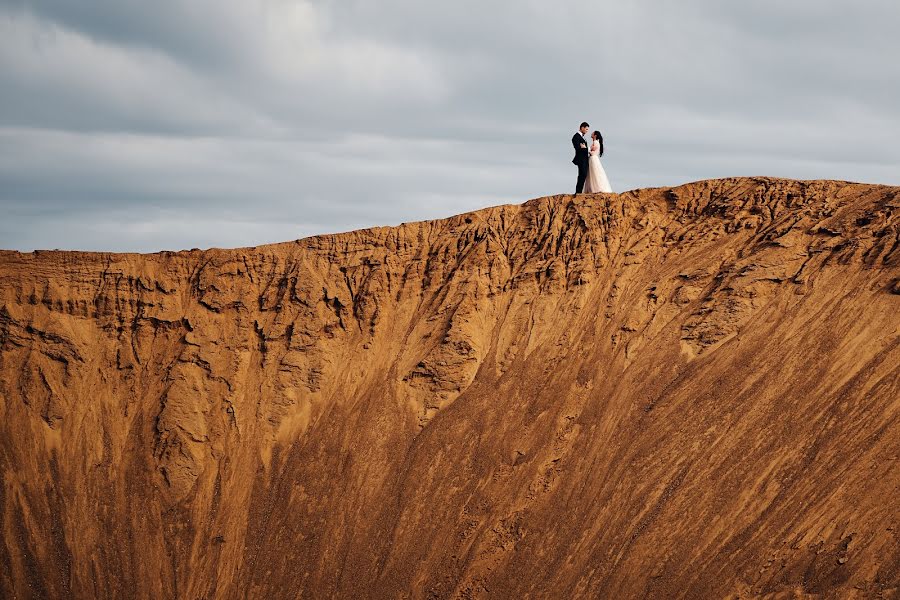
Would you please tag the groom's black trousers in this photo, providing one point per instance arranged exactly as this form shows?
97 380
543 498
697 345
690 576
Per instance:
582 176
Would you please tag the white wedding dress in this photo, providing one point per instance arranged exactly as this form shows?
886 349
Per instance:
596 180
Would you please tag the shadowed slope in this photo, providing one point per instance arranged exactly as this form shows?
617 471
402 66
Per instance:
687 392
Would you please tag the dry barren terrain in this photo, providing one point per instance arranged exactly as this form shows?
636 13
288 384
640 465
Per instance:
668 393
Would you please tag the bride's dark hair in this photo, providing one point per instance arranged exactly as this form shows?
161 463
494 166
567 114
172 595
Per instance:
599 141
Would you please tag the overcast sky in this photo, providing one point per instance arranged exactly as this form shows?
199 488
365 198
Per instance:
132 125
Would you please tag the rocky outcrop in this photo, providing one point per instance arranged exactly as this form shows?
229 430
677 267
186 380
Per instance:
686 392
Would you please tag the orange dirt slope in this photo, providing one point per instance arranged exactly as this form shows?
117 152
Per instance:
668 393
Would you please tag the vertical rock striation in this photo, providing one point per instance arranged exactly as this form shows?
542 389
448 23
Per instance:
689 392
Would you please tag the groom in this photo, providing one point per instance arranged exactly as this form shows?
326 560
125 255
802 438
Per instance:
579 142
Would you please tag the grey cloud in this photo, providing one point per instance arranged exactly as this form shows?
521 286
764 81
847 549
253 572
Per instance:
178 28
246 119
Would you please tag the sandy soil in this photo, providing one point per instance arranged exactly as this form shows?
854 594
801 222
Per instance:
668 393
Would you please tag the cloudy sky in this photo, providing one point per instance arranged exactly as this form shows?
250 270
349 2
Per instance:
131 125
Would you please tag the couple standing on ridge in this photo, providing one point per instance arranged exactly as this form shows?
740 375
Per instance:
591 176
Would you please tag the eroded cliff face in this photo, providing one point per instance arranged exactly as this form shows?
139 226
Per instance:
688 392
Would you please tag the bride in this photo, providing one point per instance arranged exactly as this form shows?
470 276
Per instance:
596 179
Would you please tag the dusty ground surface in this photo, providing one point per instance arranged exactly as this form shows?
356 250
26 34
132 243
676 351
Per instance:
668 393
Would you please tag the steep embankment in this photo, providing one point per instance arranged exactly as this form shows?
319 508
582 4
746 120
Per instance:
687 392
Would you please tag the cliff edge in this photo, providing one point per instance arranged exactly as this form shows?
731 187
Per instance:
681 392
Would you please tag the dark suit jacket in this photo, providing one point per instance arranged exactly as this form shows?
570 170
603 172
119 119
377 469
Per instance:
581 154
